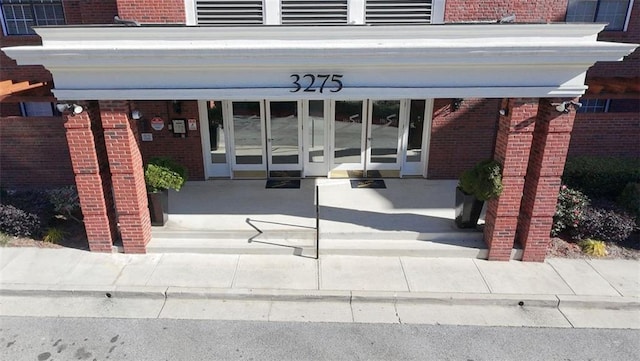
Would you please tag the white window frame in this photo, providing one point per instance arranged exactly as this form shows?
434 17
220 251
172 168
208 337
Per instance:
626 20
3 20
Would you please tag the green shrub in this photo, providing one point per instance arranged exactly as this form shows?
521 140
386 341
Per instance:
629 200
484 180
65 200
31 201
16 222
601 176
569 210
607 225
164 173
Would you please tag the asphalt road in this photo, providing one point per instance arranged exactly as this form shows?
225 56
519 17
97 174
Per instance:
47 339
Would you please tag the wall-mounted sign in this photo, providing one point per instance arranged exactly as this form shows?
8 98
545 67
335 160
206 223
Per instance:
193 125
147 137
157 123
179 126
312 82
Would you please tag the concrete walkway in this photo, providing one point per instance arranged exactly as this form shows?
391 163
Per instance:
557 293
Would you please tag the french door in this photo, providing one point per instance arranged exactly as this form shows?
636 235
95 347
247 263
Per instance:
259 138
265 136
367 134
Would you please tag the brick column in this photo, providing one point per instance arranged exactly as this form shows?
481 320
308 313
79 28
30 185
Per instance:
513 143
127 175
90 166
546 164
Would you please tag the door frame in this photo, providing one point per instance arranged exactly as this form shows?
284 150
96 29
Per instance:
316 169
213 170
269 137
403 118
423 167
228 112
366 140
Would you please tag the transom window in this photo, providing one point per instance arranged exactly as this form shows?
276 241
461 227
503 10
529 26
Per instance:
613 12
18 16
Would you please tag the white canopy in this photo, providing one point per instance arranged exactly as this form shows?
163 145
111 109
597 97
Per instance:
441 61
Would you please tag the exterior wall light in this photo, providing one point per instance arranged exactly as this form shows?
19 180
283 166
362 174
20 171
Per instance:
75 109
456 103
136 114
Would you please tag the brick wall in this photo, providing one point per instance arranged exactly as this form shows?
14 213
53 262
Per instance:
90 11
542 11
460 139
152 11
606 134
34 153
186 151
11 71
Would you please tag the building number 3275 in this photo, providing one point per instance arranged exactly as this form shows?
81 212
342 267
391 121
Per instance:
311 82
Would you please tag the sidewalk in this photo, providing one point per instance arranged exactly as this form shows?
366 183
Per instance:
557 293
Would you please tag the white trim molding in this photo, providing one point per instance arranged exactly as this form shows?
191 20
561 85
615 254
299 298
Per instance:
190 12
189 62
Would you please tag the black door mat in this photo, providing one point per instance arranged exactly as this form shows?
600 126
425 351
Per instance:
368 183
283 183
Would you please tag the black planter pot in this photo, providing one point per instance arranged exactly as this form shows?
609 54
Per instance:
468 209
159 207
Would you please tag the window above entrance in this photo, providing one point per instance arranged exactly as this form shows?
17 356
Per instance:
315 12
18 16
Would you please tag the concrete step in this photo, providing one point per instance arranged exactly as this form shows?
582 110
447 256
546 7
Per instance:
462 244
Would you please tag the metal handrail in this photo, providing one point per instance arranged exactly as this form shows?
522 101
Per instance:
317 221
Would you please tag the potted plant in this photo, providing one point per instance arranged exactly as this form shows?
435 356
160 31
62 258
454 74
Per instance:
160 175
476 185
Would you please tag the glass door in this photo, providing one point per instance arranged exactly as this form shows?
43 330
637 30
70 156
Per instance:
383 142
316 137
283 136
367 135
349 135
214 135
248 150
416 137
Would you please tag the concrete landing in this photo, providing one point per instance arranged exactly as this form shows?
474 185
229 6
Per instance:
411 217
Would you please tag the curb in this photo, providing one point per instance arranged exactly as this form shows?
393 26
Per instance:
258 294
83 291
463 299
287 295
601 302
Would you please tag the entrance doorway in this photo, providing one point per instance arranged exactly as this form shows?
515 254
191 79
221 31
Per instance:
302 138
367 135
265 137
